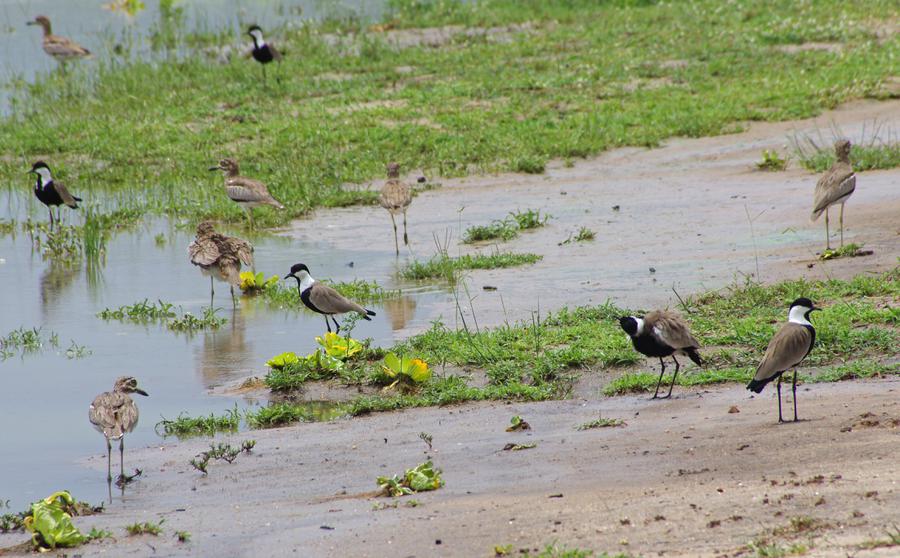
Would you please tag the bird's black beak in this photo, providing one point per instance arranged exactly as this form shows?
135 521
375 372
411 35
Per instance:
31 23
30 172
815 308
215 168
142 392
290 275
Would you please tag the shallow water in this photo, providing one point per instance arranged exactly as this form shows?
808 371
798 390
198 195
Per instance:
44 396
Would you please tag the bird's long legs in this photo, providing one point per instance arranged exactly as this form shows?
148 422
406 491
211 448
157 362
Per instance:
108 461
778 385
396 243
662 366
794 389
827 235
842 226
677 366
327 325
50 210
336 325
233 298
212 291
122 460
405 237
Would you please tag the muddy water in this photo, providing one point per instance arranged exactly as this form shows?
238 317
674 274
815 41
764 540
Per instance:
101 29
44 395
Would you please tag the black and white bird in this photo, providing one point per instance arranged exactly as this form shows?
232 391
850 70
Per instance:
660 334
323 299
786 350
114 414
51 192
262 52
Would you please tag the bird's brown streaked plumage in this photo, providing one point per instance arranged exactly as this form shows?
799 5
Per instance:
835 187
61 48
671 329
219 256
246 192
114 414
395 197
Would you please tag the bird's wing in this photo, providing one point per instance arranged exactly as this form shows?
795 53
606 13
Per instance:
230 269
113 414
395 195
276 54
786 349
241 248
671 329
838 182
203 251
241 189
330 301
64 194
55 45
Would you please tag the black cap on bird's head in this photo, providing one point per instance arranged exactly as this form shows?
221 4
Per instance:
805 303
295 269
629 324
38 165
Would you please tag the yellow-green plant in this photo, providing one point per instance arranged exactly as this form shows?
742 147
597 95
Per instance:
50 525
283 360
256 281
339 347
406 371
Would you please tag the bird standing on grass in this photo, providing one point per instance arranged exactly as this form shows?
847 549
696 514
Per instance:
835 187
50 192
786 350
246 192
262 52
114 414
661 334
219 257
396 197
323 299
60 48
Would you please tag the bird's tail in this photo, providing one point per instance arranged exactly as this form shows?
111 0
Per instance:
814 216
694 355
756 386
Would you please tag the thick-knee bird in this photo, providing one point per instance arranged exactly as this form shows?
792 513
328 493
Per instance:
114 414
219 257
661 334
396 197
51 192
323 299
246 192
835 187
786 350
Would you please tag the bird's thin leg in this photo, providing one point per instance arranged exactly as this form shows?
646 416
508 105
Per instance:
336 325
122 459
396 243
677 366
250 216
50 210
794 389
842 225
327 325
233 298
265 79
778 385
662 370
405 238
212 291
108 461
827 235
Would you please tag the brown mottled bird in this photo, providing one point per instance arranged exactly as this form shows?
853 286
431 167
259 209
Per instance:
660 334
246 192
396 197
60 48
835 187
786 350
114 414
322 299
219 257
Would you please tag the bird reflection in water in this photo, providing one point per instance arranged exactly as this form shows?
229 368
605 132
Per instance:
400 311
225 353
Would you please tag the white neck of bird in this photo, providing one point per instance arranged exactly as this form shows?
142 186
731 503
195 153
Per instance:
44 176
306 281
258 38
640 326
797 315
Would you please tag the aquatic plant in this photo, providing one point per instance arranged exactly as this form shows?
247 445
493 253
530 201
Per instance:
184 426
255 282
447 267
188 322
421 478
140 311
145 528
406 372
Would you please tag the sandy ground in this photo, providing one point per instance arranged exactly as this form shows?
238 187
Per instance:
684 477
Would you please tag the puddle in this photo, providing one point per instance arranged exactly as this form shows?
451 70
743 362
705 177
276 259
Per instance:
47 394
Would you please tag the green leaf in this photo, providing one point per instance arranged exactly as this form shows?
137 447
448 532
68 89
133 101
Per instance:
339 347
283 360
51 525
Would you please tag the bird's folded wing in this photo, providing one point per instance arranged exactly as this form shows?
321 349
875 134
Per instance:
203 252
786 349
242 189
64 194
837 183
243 249
330 301
672 330
63 46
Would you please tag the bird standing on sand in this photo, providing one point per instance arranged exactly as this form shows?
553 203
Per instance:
323 299
396 197
60 48
49 191
262 52
661 334
219 257
835 187
246 192
786 350
114 414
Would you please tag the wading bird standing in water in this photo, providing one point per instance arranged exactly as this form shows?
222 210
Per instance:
786 350
219 257
50 192
114 414
661 334
835 187
396 197
322 299
60 48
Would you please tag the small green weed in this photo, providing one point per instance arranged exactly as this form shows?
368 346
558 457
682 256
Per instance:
184 426
140 311
189 323
772 161
517 423
421 478
584 234
851 250
183 536
446 267
601 423
145 528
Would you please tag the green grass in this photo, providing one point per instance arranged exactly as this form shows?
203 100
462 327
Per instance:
184 426
873 155
772 161
446 267
601 423
508 228
145 528
139 311
187 322
581 78
584 234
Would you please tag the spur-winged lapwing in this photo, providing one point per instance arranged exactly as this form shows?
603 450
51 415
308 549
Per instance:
322 298
60 48
786 350
262 52
835 187
661 334
114 414
396 197
219 257
51 192
246 192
